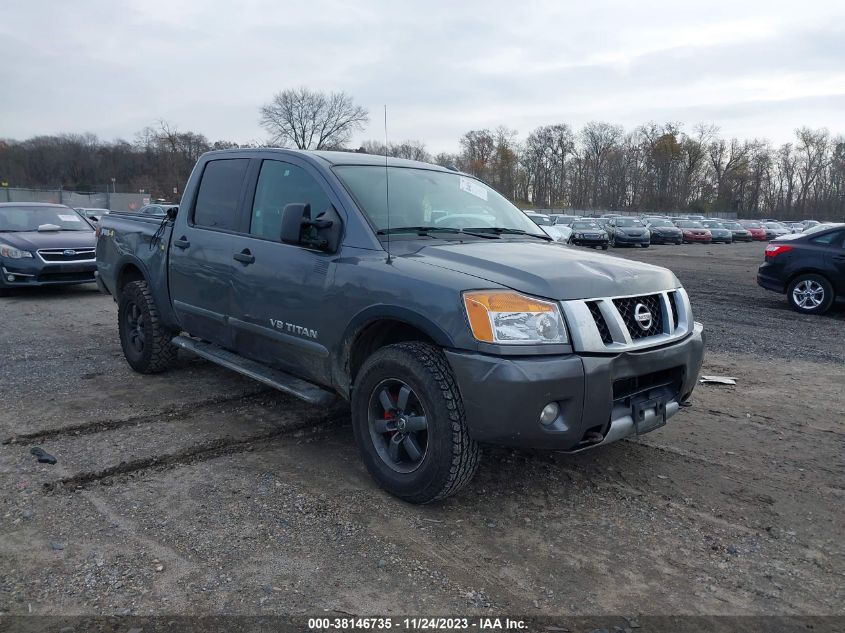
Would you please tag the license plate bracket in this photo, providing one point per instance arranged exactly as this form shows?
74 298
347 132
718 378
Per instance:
649 415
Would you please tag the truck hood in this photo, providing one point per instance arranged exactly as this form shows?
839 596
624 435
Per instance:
34 240
549 270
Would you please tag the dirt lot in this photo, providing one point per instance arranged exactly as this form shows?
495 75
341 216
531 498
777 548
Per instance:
201 492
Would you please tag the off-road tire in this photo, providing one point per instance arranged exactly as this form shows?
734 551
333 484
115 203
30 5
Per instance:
452 457
157 353
827 301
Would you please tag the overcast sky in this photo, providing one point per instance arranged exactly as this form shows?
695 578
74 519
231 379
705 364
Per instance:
755 69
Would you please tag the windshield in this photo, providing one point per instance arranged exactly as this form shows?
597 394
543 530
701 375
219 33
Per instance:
628 222
712 225
30 218
585 225
774 225
428 198
734 226
661 223
689 224
753 225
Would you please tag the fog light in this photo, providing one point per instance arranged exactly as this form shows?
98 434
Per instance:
10 277
549 413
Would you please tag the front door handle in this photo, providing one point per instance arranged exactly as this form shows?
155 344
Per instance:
182 242
244 257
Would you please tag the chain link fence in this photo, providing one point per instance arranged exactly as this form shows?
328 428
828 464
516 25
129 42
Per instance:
111 201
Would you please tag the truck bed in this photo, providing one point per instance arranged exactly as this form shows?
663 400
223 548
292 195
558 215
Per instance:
128 242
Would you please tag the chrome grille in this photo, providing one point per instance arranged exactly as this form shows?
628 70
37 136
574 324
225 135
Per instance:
628 309
87 253
610 324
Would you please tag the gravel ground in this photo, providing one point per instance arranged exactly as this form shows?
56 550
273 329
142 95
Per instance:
199 492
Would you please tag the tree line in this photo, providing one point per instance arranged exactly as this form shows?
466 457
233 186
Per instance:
655 167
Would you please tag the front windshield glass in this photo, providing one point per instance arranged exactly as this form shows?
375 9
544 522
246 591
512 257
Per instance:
713 225
733 226
753 225
585 225
661 223
774 225
25 218
428 198
628 222
689 224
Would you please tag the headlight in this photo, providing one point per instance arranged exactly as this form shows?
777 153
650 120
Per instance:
579 235
13 253
501 316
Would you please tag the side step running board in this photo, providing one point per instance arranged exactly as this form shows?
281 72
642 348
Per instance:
302 389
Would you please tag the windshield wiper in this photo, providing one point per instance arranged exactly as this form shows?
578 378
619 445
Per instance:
425 230
500 230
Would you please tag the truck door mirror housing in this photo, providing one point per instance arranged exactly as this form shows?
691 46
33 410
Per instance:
300 229
172 212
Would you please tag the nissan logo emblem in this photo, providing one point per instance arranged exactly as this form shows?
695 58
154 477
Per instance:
69 252
642 316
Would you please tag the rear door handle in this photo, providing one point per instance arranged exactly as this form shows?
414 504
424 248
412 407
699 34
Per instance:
181 242
244 257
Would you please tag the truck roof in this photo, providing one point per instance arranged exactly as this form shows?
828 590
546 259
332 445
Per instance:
336 158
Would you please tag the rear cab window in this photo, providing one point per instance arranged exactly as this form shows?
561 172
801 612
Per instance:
219 194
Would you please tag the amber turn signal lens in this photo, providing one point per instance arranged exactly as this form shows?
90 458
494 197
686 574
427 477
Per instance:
481 305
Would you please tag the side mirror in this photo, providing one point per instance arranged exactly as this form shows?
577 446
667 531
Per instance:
172 212
321 233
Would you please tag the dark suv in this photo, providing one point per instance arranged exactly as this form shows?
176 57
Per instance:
810 269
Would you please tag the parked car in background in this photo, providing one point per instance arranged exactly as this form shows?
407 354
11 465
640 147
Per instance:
738 232
558 232
809 268
718 231
44 244
92 214
794 227
602 222
758 233
809 224
775 229
159 210
694 231
540 219
624 231
663 231
588 233
565 220
809 231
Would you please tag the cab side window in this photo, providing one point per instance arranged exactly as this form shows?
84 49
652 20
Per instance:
281 184
219 194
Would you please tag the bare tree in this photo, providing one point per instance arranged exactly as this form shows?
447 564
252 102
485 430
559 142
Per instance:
312 120
410 149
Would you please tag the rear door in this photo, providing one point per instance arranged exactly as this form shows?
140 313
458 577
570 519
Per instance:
282 293
835 254
201 250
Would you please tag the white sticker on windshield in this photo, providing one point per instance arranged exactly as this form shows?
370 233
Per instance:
69 218
473 187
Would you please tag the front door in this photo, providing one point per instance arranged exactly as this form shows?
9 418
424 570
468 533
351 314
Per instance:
282 293
201 261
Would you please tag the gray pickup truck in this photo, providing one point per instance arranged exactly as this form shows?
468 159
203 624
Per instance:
437 309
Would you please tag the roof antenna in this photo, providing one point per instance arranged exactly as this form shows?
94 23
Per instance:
387 185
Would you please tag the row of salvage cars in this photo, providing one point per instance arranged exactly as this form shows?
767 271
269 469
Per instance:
619 230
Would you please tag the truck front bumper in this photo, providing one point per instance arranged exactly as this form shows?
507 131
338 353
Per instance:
602 398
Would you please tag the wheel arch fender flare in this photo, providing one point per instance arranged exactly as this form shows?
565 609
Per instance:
371 315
